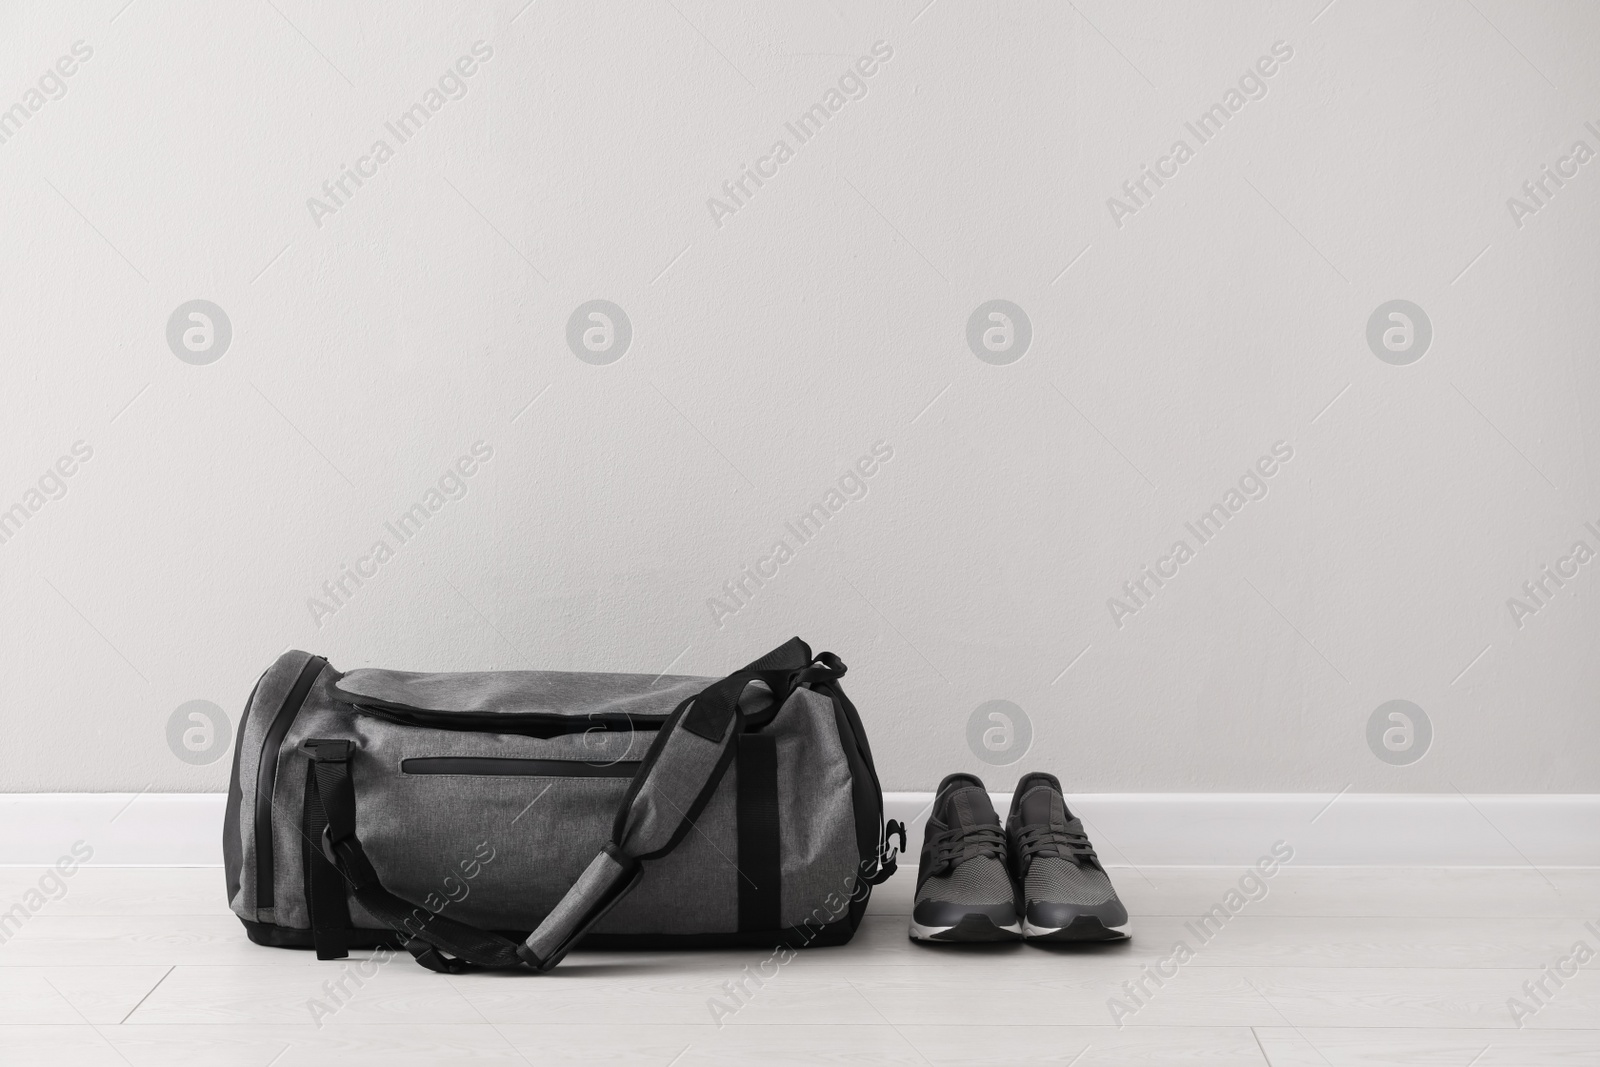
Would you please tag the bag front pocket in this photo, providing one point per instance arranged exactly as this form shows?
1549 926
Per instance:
498 767
543 704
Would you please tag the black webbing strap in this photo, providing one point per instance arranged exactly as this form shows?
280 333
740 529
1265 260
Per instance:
427 935
760 856
760 833
325 886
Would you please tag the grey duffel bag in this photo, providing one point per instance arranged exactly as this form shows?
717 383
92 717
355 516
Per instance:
451 814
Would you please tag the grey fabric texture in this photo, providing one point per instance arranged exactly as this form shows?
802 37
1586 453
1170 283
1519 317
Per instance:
1051 878
423 832
816 827
665 800
681 770
695 887
596 880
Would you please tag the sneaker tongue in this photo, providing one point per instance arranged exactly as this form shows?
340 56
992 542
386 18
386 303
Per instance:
1043 805
968 806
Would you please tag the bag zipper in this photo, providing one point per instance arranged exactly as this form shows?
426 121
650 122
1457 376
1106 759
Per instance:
267 776
496 766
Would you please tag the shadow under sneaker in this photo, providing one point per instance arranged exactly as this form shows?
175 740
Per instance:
1066 893
964 892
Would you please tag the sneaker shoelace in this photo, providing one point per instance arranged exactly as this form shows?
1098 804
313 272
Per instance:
1068 844
961 843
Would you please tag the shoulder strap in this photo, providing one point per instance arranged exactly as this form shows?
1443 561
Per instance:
675 781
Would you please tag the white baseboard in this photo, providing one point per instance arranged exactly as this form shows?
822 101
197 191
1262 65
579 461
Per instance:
1347 830
1141 829
124 829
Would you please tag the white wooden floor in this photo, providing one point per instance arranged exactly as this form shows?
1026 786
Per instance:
1336 966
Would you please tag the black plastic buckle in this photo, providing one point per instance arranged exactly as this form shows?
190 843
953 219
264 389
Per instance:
343 854
347 858
327 750
327 847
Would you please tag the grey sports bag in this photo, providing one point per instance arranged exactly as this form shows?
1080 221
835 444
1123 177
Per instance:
450 814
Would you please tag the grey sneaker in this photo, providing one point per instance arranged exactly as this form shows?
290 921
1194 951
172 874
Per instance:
1066 894
964 892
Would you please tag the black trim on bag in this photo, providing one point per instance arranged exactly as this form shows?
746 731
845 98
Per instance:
496 766
232 843
267 775
795 937
708 719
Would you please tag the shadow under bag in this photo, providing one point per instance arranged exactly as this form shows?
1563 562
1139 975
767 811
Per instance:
450 814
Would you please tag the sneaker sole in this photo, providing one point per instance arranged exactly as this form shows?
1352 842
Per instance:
972 928
1083 928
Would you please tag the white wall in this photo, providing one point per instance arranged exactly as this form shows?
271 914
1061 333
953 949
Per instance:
1171 347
